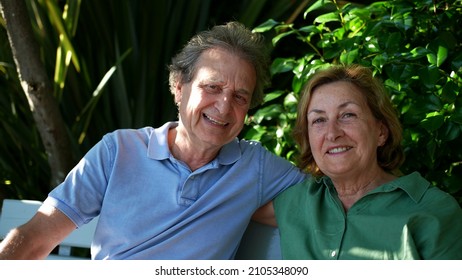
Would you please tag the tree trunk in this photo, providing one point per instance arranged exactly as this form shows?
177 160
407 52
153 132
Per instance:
38 89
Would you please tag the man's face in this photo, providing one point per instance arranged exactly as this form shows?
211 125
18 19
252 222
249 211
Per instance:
214 104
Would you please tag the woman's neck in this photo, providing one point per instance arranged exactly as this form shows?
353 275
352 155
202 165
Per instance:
352 190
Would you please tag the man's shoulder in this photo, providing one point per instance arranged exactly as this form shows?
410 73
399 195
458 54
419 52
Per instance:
249 143
146 131
131 132
128 136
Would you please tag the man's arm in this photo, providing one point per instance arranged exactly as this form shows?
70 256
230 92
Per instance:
38 237
265 215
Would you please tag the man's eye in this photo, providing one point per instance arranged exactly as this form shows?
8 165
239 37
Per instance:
211 88
241 99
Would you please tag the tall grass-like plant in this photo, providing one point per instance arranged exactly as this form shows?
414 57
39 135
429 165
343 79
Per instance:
414 46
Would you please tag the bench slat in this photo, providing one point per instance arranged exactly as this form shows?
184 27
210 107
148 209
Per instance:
17 212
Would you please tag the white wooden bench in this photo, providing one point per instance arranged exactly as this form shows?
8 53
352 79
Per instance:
17 212
260 242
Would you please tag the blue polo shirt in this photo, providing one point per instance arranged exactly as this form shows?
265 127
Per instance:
152 206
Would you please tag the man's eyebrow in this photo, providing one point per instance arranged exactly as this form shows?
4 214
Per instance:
243 91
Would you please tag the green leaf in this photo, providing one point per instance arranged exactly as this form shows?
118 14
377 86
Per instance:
255 133
268 113
330 17
266 26
431 148
56 20
290 100
281 65
432 122
349 57
417 53
272 95
442 55
431 57
372 45
417 111
297 84
429 76
310 29
450 131
331 52
400 72
449 92
394 42
457 115
433 103
403 19
379 60
316 6
299 67
438 52
276 39
456 63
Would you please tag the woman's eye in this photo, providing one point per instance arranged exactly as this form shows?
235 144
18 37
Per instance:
348 115
317 121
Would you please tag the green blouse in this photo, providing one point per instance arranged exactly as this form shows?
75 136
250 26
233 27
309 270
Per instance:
407 218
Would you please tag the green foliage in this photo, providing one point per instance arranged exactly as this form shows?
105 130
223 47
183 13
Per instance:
414 46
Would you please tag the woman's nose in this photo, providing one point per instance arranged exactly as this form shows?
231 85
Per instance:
333 130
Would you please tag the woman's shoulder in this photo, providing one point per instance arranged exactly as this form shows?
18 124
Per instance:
308 187
426 195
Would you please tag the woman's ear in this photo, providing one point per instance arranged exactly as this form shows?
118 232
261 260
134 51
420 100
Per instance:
383 134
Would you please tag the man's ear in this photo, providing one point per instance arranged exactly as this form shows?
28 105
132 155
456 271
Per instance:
178 94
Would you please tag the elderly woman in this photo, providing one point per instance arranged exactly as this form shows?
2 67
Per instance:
355 206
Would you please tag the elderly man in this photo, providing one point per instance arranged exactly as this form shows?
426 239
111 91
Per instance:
186 190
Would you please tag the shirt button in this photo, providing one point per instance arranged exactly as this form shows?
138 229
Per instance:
333 254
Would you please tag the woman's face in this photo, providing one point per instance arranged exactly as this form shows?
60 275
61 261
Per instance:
343 133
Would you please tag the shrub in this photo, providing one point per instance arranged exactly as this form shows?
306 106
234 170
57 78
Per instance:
414 46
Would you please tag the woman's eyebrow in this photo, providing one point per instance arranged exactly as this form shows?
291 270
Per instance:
341 106
315 111
345 104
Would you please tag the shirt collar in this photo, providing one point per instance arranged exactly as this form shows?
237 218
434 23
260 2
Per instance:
158 142
413 184
158 146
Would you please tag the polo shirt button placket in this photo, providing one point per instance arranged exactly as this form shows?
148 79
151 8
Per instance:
333 254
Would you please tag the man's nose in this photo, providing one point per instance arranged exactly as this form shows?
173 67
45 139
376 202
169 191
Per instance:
223 103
